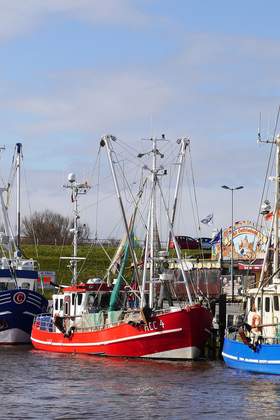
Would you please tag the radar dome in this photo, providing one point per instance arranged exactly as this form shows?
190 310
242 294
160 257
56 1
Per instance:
71 177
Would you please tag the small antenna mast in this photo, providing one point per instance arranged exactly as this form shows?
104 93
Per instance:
76 190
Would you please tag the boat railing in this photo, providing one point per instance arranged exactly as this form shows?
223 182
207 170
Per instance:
86 322
44 322
233 333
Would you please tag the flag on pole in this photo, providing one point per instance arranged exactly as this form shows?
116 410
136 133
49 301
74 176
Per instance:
217 238
208 220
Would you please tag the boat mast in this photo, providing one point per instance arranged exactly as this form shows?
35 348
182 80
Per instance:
275 222
152 233
77 189
153 223
276 209
184 142
18 204
106 141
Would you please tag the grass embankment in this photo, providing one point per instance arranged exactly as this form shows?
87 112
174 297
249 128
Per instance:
49 260
95 264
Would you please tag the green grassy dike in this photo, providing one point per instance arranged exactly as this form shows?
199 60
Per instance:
48 258
95 264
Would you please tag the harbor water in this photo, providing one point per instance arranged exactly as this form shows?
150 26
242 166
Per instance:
36 385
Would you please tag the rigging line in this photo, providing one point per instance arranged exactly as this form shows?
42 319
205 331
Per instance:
117 270
30 214
96 162
197 227
194 188
84 261
61 253
266 184
181 268
127 147
126 150
97 200
12 171
269 165
134 201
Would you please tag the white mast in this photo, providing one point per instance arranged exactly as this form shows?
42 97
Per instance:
275 221
153 224
18 204
276 209
177 249
184 142
106 141
77 189
152 228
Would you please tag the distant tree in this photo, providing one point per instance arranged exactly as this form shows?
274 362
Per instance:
47 227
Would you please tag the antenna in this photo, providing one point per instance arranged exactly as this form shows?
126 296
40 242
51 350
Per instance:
259 129
76 190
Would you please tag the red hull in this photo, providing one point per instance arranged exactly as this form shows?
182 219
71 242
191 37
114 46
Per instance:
180 334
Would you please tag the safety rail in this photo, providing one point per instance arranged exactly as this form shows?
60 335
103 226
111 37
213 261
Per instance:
234 335
44 322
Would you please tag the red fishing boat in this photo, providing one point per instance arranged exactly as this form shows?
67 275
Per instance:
142 317
178 333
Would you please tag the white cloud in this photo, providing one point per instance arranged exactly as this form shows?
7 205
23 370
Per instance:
213 91
18 17
99 102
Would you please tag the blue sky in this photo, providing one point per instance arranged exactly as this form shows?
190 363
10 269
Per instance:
74 70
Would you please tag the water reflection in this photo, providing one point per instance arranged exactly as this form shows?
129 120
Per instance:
88 387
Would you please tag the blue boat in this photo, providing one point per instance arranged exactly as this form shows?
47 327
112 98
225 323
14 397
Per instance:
18 306
264 358
19 298
255 345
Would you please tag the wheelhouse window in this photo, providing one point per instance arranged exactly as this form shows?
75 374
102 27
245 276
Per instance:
230 320
56 304
276 303
73 299
259 303
67 302
267 304
80 298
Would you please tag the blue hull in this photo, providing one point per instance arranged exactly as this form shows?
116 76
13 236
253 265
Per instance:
266 358
17 310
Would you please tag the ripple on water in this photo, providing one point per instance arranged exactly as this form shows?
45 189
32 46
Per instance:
58 386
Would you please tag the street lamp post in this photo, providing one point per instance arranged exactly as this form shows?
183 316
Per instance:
231 259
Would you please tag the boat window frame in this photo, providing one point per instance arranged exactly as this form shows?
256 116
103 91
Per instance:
267 300
259 303
276 299
79 298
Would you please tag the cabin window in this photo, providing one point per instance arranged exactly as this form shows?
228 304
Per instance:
66 308
80 298
56 305
252 303
276 303
259 304
104 300
25 285
267 304
73 299
61 303
230 320
67 302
